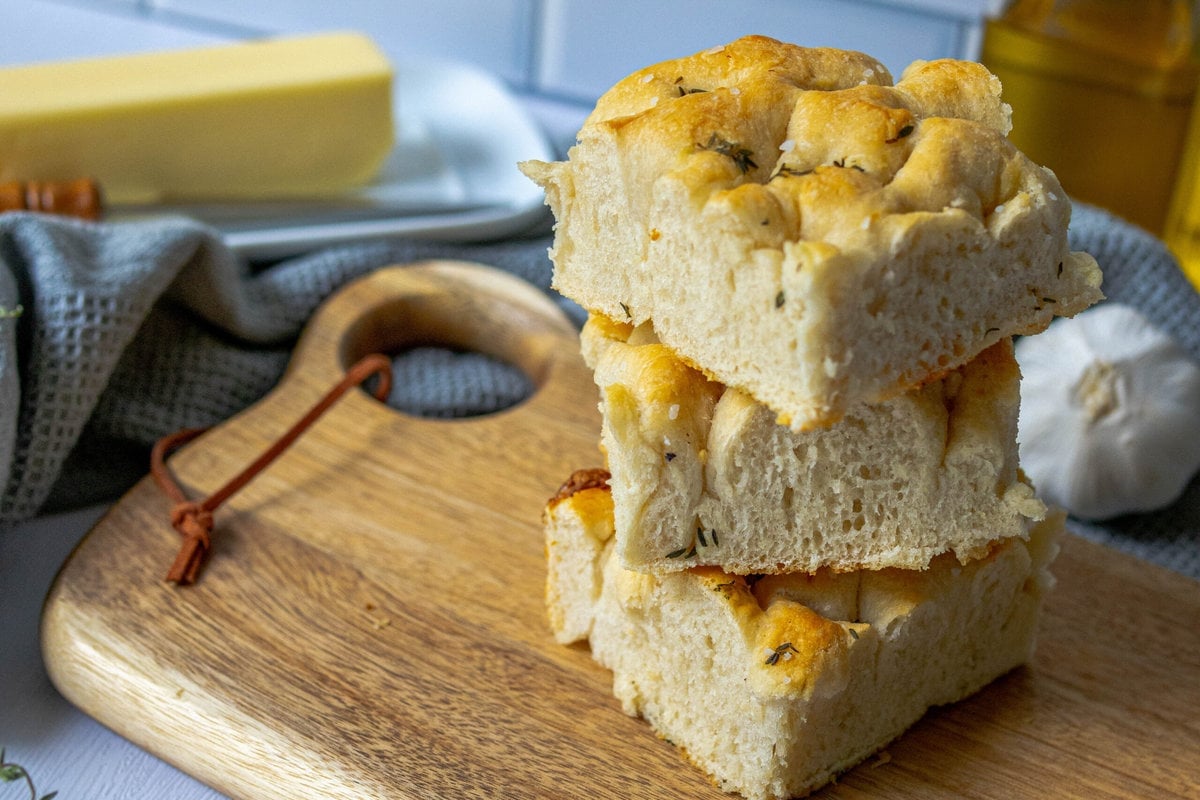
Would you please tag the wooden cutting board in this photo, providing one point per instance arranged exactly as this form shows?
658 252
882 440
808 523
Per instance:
371 625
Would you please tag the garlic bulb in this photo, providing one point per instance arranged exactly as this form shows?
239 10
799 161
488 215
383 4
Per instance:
1110 414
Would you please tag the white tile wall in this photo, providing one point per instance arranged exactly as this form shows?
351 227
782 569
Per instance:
559 55
43 30
964 9
586 47
494 34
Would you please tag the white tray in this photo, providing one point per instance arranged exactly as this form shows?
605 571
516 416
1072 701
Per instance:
452 175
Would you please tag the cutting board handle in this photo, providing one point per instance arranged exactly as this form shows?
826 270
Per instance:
454 304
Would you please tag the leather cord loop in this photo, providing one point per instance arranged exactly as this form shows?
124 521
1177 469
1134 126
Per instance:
194 519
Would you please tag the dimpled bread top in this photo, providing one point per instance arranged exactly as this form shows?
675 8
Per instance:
801 229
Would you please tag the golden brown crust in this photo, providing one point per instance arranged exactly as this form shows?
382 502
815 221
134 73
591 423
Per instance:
775 684
580 480
756 60
703 474
798 228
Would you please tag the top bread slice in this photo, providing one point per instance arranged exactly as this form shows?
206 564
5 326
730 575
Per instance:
802 230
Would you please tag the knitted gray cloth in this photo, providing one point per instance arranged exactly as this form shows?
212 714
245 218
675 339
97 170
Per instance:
114 335
1141 272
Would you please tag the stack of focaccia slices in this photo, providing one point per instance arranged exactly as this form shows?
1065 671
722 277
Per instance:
802 282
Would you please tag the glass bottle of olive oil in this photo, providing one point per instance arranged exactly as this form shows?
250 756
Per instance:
1182 229
1101 92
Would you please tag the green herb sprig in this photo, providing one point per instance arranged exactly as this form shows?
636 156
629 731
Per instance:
11 772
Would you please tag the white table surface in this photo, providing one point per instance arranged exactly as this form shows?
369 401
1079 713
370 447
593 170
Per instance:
62 749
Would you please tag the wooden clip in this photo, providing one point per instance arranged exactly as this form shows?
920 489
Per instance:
76 198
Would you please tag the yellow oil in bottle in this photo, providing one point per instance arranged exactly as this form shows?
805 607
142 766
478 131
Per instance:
1101 92
1182 230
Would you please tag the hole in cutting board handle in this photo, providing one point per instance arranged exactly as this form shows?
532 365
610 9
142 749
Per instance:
439 382
458 351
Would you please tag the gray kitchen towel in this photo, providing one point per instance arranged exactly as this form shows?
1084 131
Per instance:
114 335
1141 272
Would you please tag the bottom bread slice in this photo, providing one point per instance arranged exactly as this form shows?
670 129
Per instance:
775 684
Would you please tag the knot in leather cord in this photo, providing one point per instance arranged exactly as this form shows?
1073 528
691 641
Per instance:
195 523
194 519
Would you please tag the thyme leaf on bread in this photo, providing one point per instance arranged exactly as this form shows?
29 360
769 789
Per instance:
783 651
1040 303
726 589
742 157
700 541
790 172
683 91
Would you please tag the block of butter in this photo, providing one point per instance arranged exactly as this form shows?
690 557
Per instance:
274 118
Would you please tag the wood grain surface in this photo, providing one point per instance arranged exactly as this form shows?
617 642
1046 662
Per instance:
371 622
